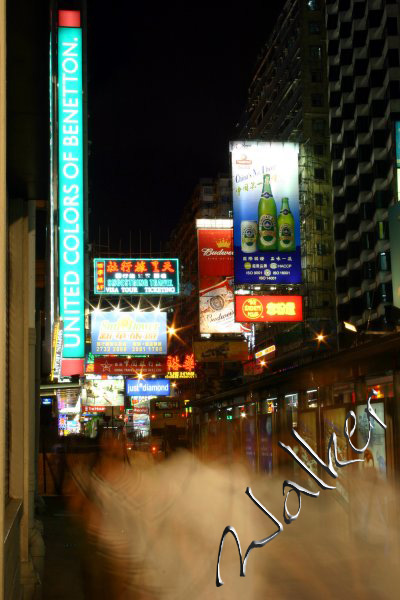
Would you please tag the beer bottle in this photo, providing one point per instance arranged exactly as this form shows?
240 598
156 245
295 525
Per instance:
266 234
286 238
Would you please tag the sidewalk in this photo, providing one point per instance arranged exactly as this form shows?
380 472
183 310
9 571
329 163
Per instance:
63 573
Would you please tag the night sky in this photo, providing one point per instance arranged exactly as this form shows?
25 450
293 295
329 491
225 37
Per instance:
166 88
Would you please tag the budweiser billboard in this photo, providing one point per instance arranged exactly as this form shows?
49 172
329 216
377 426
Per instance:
117 365
216 294
215 252
265 309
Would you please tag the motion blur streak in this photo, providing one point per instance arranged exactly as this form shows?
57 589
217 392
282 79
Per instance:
154 532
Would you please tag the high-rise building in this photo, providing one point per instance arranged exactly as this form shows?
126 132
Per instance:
288 101
364 103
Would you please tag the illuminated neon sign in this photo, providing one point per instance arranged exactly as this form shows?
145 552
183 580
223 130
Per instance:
136 276
149 387
264 309
129 332
71 214
181 370
265 351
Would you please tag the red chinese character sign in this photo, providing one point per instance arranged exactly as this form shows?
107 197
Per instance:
181 367
133 276
266 309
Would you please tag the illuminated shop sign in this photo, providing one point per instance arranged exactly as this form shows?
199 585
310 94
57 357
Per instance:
116 365
136 276
266 225
148 387
265 351
177 369
57 349
71 213
265 309
129 332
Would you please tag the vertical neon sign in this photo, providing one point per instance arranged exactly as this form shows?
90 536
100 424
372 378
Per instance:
71 212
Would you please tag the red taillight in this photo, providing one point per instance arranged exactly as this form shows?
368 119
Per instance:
183 414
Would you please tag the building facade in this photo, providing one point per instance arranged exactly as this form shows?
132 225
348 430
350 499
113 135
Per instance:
287 101
364 104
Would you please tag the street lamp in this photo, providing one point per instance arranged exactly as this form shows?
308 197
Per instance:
350 326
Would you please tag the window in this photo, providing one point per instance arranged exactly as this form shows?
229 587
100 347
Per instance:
317 100
381 230
314 27
319 173
391 25
318 125
315 52
319 199
319 224
326 275
393 57
319 149
316 76
322 250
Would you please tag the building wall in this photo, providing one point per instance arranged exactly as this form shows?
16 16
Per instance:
288 102
26 36
364 90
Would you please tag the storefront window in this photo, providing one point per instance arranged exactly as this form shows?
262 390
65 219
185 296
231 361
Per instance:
312 398
343 393
292 402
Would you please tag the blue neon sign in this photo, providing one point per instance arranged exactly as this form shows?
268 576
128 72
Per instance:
71 213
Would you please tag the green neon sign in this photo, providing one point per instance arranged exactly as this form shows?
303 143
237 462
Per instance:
71 215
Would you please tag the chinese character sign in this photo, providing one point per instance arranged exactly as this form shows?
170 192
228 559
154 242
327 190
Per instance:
117 365
136 276
266 225
129 332
181 368
265 309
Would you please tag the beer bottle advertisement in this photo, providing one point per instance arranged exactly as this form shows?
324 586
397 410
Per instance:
266 212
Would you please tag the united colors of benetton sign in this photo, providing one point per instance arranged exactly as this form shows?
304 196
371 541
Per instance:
71 214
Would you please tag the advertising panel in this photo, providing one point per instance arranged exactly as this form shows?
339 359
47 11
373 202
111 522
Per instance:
266 224
220 351
129 332
136 276
265 309
394 236
398 144
71 205
215 247
216 294
103 392
115 365
375 455
217 308
148 387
